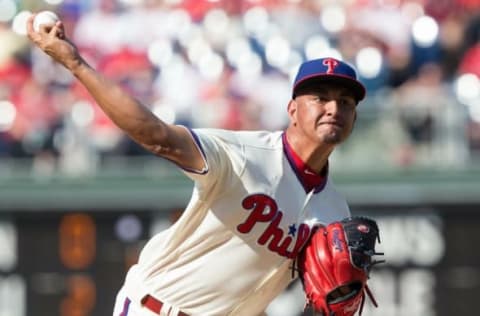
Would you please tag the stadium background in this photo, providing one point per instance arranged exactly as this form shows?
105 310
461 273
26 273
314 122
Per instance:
78 200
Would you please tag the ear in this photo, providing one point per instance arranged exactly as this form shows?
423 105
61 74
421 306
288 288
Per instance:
292 110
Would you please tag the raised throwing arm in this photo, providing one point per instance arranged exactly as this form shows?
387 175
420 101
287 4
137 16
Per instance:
166 140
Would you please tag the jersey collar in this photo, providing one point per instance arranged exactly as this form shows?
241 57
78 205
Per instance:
309 179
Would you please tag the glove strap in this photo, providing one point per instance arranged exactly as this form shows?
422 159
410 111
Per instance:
370 295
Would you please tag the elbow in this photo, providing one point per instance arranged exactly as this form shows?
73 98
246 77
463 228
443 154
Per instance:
168 152
157 140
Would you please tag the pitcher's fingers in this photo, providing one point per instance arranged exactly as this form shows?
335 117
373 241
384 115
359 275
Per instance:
58 30
30 30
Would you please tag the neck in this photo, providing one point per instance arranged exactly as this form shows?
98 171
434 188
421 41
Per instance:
314 154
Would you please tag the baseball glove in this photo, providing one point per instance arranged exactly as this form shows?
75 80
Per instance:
334 266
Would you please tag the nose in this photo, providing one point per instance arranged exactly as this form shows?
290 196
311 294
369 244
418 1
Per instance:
332 107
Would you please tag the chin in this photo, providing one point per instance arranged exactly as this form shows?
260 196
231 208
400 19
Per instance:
332 138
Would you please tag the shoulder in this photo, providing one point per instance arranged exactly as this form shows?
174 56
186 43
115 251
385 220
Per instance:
259 139
227 154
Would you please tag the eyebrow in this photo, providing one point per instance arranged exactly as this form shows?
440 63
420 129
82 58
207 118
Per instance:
344 92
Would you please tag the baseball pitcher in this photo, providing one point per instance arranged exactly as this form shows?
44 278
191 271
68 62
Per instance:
257 195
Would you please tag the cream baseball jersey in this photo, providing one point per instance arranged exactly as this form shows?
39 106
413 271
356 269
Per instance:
231 251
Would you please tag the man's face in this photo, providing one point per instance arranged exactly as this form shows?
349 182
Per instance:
325 113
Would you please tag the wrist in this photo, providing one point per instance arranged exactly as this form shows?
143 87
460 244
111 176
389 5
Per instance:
76 66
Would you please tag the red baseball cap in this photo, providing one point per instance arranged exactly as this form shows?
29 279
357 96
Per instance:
329 70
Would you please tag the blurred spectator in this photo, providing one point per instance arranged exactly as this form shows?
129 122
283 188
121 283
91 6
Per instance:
432 120
104 18
470 62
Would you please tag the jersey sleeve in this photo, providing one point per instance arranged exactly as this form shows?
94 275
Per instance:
223 155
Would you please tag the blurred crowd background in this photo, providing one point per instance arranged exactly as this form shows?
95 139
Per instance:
229 64
78 199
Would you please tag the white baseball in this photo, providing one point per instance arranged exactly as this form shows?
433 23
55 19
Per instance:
44 18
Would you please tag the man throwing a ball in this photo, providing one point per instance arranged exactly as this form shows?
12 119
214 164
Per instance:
257 195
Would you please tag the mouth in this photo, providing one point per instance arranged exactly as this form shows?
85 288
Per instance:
332 123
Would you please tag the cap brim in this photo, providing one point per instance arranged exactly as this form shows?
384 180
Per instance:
357 88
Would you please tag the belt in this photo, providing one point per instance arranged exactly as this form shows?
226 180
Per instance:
155 305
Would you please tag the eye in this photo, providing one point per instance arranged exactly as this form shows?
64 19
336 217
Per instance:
320 99
347 102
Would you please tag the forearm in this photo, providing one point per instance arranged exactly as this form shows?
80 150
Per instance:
166 140
170 141
124 110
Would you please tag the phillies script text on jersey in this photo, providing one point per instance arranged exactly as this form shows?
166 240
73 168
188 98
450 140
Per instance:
265 209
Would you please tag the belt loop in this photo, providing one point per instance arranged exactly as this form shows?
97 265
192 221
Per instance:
173 311
166 310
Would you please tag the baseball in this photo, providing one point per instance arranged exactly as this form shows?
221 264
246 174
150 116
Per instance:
45 17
